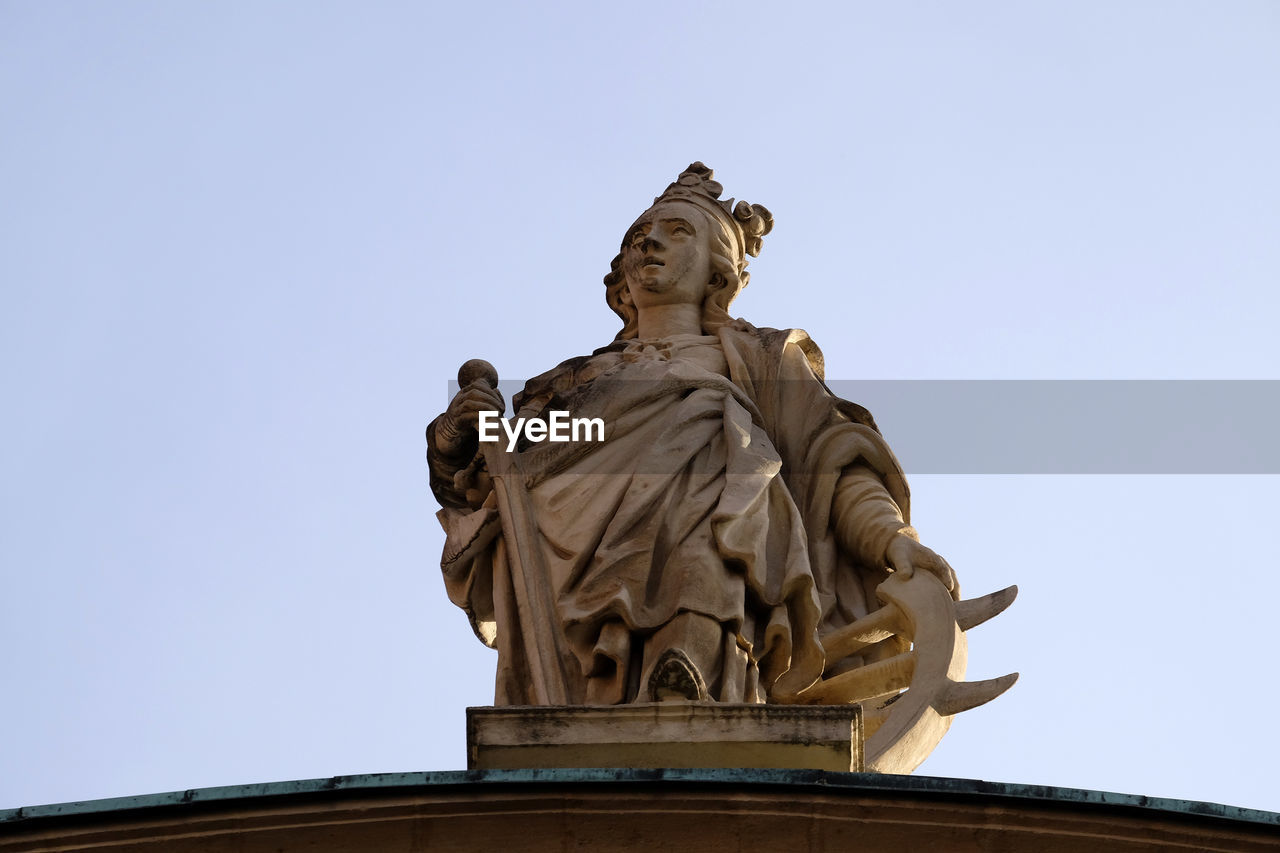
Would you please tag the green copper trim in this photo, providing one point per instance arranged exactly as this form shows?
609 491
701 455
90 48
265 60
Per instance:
799 779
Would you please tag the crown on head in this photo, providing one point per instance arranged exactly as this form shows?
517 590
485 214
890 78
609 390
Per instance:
749 222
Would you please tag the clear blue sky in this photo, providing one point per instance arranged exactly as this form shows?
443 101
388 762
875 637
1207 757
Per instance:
244 246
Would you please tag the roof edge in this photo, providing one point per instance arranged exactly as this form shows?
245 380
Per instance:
826 780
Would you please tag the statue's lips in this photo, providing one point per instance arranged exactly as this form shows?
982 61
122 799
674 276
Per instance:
652 262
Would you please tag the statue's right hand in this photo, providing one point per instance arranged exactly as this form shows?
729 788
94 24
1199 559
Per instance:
457 429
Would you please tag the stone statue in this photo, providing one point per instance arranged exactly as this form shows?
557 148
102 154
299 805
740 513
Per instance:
738 535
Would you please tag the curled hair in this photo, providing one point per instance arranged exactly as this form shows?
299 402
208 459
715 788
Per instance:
728 277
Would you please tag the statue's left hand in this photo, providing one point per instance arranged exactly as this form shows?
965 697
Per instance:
904 555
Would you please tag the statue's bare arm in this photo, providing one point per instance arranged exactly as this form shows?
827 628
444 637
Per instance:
869 526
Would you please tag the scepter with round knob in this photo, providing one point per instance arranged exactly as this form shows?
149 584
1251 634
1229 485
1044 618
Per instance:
477 368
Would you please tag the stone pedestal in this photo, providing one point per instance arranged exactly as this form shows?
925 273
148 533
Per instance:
666 734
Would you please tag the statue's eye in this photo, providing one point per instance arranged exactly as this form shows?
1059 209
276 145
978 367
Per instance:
637 237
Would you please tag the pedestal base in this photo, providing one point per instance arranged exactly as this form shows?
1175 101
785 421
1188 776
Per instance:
666 734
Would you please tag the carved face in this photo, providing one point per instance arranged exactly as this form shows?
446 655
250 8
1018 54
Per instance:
666 256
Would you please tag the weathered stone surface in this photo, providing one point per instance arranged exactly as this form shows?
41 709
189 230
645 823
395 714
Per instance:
737 534
666 734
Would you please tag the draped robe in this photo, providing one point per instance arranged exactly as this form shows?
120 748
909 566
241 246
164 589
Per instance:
711 494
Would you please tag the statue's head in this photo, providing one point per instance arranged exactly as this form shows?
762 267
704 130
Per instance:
688 245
